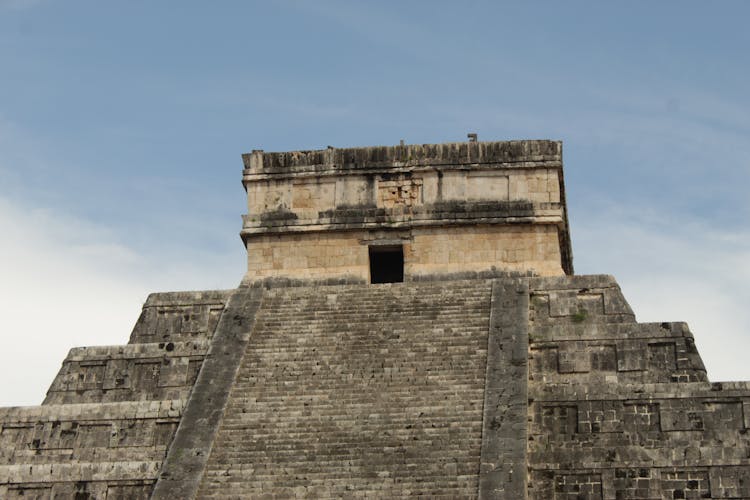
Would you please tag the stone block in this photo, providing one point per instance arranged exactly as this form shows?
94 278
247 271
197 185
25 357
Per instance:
574 486
640 416
371 344
636 483
686 484
131 373
630 356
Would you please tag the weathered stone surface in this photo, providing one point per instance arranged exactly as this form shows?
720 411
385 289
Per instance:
499 203
624 410
111 412
195 437
428 252
357 390
488 373
179 316
336 382
391 157
502 472
84 448
133 372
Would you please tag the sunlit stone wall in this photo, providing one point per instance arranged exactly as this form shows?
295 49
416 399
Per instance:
453 208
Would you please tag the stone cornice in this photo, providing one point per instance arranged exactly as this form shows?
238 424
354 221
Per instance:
510 154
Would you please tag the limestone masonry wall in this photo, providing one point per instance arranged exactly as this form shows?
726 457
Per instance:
110 414
357 391
307 381
306 198
427 251
128 373
357 193
437 251
84 451
623 410
540 388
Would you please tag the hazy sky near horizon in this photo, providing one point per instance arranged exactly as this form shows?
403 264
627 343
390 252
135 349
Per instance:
122 126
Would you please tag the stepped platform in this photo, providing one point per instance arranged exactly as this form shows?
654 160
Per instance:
111 412
625 410
179 316
356 383
102 450
133 372
497 387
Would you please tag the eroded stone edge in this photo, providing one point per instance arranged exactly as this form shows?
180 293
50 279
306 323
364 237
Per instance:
188 454
502 470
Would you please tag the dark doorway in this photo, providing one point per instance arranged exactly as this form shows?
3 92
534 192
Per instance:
386 264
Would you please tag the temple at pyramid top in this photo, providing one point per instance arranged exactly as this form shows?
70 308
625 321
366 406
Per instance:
407 212
492 373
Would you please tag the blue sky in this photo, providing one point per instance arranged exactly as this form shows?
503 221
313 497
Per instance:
122 126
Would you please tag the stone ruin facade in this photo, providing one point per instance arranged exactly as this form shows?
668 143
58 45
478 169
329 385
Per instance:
409 326
451 209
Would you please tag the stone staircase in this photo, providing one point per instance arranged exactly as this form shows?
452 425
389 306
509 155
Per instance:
508 387
619 409
110 414
357 391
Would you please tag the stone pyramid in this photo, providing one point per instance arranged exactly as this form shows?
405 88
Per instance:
409 326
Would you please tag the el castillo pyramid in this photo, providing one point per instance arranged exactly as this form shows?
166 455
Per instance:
409 325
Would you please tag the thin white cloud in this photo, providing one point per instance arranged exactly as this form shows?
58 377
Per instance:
59 289
677 269
68 283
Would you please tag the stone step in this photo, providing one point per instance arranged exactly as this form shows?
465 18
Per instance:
633 414
666 390
388 488
179 316
107 432
132 480
572 300
583 332
630 353
604 331
646 481
103 450
621 409
419 294
326 394
133 372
